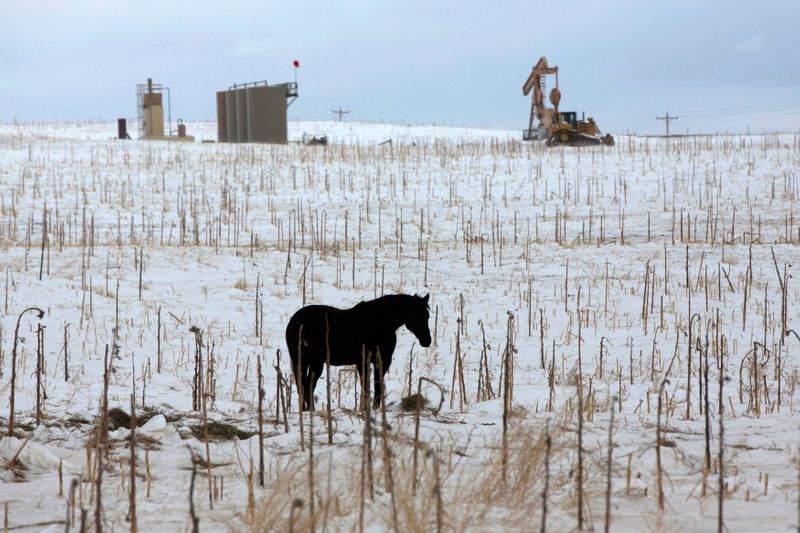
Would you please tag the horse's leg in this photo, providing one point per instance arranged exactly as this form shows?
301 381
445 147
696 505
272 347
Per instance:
363 377
382 361
300 358
308 388
378 383
299 369
314 372
379 374
360 372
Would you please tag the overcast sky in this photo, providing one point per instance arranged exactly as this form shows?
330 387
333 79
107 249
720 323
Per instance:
720 65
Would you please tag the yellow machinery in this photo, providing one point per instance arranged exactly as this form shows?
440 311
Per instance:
557 127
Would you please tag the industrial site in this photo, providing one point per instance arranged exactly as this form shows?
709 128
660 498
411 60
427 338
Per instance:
251 304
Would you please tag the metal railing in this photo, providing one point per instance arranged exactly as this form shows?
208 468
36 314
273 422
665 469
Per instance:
536 134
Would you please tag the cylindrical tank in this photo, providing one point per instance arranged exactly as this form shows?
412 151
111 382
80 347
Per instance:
255 112
241 115
122 129
222 118
230 112
266 114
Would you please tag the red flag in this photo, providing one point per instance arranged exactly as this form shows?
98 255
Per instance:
296 63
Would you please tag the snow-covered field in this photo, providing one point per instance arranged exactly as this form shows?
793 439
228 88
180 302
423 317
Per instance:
633 257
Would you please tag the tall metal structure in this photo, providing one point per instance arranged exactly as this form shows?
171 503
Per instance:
150 113
535 86
150 109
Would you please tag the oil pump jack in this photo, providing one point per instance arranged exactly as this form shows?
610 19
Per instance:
557 127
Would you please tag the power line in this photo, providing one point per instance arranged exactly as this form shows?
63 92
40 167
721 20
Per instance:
789 108
666 119
340 112
786 104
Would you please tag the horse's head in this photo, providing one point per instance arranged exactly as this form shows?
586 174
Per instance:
417 319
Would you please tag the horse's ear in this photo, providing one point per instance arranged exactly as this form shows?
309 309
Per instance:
426 297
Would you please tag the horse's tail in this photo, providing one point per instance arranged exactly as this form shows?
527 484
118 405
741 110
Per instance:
292 335
292 339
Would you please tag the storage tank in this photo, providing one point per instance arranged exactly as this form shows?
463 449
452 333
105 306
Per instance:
230 114
266 114
222 118
241 115
255 112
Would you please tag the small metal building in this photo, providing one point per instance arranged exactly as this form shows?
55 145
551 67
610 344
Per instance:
150 114
254 112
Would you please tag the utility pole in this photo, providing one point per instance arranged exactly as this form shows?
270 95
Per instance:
340 112
666 119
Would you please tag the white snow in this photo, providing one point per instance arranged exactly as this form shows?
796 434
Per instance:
213 220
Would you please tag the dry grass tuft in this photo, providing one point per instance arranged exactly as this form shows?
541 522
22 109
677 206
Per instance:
473 493
413 402
220 431
284 505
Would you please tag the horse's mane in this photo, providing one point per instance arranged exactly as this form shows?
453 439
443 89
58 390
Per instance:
386 299
392 299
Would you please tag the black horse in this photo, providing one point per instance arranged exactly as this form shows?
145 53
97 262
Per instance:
361 335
